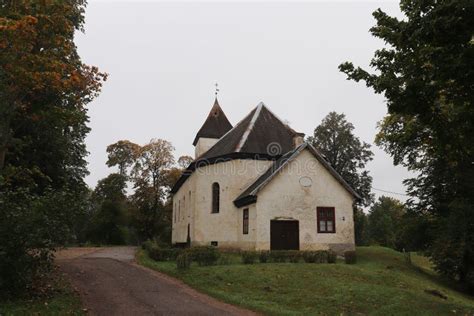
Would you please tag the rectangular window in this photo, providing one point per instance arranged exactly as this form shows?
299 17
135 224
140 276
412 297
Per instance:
326 219
245 222
184 206
215 197
175 211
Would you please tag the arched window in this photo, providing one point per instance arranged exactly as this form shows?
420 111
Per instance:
215 197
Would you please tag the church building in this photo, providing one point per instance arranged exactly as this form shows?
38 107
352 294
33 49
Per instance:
259 186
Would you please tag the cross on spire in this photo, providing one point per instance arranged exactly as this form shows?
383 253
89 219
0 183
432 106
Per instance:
217 89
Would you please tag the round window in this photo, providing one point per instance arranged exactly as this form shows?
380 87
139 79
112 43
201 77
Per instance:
306 181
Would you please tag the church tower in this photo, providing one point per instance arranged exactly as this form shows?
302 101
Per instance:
215 126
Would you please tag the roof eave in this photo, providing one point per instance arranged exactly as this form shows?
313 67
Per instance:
246 200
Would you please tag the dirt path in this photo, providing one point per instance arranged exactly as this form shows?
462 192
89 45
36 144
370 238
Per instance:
111 284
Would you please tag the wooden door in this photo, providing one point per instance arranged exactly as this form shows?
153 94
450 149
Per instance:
284 235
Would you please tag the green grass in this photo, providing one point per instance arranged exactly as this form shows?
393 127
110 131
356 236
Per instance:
61 301
381 283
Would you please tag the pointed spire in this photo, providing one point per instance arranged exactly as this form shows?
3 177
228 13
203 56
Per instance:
216 124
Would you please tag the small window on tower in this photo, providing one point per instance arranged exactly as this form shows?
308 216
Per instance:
215 197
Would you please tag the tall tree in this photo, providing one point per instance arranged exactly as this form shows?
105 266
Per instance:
122 154
150 179
426 72
44 90
335 139
108 224
385 220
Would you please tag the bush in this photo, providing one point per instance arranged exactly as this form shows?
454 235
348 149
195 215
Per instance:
155 253
319 256
31 228
147 245
204 255
309 256
332 256
278 256
249 257
183 260
171 254
285 256
263 256
294 256
350 257
322 256
163 254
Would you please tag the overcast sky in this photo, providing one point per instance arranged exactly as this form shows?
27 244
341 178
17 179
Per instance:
164 58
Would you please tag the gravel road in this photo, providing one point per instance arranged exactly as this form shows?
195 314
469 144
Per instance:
110 283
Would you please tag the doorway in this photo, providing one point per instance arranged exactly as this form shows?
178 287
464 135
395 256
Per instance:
284 235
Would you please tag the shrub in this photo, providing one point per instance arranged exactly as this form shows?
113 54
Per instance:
163 254
183 260
319 256
294 256
204 255
249 257
332 256
171 254
147 245
322 256
285 256
155 253
31 227
350 257
278 256
263 256
309 256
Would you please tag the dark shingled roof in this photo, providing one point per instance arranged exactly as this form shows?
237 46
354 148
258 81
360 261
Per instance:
260 135
249 195
215 125
260 132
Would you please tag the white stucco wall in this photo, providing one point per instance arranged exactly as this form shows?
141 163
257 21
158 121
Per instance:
224 227
183 211
203 145
285 198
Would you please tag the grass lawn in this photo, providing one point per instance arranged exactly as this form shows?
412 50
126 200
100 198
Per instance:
61 301
381 283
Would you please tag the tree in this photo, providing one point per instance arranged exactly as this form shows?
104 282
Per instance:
111 187
109 221
385 220
334 138
149 176
361 224
184 161
44 90
426 73
122 154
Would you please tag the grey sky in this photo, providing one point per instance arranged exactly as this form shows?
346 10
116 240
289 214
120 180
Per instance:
164 58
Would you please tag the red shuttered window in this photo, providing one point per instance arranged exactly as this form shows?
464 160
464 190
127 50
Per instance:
326 217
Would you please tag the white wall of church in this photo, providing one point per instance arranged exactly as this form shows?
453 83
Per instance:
224 227
203 145
183 206
285 198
